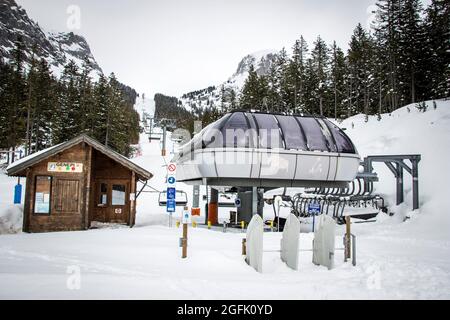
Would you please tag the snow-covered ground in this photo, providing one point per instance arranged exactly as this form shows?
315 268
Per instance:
395 259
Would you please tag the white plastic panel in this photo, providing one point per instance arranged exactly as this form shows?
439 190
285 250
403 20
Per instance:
256 164
276 165
232 163
347 168
188 169
323 245
205 162
290 242
254 253
333 168
312 167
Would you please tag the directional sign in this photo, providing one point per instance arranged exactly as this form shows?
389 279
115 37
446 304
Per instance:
237 202
171 194
171 180
186 216
172 167
314 208
171 205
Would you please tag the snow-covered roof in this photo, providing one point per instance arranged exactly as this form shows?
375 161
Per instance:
17 168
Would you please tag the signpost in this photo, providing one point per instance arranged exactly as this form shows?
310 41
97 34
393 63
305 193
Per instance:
314 209
186 220
171 190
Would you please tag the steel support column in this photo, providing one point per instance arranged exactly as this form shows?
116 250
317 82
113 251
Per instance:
415 184
399 179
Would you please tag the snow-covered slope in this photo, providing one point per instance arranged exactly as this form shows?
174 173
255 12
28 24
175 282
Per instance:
395 259
409 131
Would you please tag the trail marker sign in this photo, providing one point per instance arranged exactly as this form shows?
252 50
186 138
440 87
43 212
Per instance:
171 191
172 168
314 208
171 194
171 205
186 216
171 180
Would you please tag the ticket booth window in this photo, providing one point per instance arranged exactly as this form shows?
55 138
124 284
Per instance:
118 195
103 198
42 195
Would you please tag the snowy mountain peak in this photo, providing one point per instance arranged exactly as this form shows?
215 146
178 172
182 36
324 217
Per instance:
57 48
212 96
261 60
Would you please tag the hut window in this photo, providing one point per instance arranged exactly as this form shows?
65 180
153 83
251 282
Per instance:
103 194
118 195
42 194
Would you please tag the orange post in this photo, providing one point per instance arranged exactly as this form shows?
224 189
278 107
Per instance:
195 211
213 213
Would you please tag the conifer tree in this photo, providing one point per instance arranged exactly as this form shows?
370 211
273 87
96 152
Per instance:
437 50
250 97
337 79
319 84
411 53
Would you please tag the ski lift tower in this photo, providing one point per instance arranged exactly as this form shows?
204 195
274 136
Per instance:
165 124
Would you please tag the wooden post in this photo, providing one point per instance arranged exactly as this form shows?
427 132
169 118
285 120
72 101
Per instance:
28 203
184 241
87 186
133 199
347 238
244 246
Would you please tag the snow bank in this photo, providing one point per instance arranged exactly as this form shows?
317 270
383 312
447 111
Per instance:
409 131
10 214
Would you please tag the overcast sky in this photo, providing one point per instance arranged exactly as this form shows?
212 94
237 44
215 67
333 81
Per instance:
174 47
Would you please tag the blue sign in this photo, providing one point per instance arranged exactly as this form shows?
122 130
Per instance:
237 203
171 204
171 180
17 193
314 208
171 193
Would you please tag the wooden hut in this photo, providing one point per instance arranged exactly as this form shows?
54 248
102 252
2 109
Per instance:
74 183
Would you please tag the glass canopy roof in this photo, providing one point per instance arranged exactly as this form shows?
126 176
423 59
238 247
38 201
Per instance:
274 131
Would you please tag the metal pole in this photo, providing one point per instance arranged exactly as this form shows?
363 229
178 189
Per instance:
399 179
151 129
196 197
353 250
347 238
184 241
415 185
254 200
163 150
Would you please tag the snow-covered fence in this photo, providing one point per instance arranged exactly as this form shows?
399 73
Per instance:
254 243
290 242
323 244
